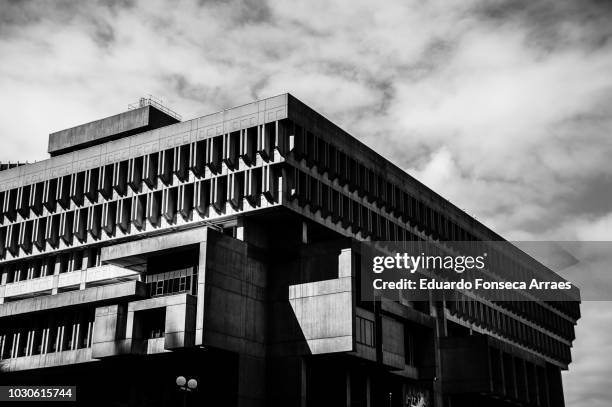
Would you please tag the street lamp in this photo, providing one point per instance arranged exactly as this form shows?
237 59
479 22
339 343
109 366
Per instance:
186 386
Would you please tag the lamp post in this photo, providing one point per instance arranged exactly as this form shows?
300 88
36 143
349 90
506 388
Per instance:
186 386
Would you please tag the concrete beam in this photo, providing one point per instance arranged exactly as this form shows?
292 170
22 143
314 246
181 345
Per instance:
130 289
135 252
107 129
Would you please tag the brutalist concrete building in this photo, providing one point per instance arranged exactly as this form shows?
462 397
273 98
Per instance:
226 249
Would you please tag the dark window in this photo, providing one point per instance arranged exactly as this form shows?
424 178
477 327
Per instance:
152 323
365 331
172 282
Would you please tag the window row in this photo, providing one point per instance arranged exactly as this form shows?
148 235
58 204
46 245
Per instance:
172 282
375 186
377 225
46 333
90 222
495 321
177 162
518 379
48 265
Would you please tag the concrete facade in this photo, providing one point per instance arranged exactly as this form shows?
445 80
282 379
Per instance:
226 248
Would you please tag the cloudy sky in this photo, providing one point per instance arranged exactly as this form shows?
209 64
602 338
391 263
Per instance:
504 107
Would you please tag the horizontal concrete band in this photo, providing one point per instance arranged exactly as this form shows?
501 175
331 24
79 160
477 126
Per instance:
72 298
130 252
99 131
242 117
73 278
52 359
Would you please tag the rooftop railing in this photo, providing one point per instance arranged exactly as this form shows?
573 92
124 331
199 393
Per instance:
157 103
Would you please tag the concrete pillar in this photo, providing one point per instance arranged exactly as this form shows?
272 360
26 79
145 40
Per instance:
44 341
88 339
545 384
536 384
303 383
304 232
348 388
56 271
240 229
199 334
75 336
3 280
16 338
33 340
437 311
2 345
345 263
28 350
84 262
368 391
60 339
71 262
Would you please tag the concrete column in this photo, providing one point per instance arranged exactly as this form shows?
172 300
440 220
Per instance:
304 232
44 341
199 334
368 391
60 339
83 279
75 335
437 311
88 339
3 281
28 350
84 262
16 338
345 263
240 229
536 383
348 388
546 385
303 383
56 272
32 340
71 262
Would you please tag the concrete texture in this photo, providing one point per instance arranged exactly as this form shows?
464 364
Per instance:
111 128
227 247
131 289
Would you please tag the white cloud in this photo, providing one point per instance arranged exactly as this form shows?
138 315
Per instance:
504 107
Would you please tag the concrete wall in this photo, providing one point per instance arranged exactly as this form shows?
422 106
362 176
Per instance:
125 290
235 295
46 360
110 128
325 313
109 332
